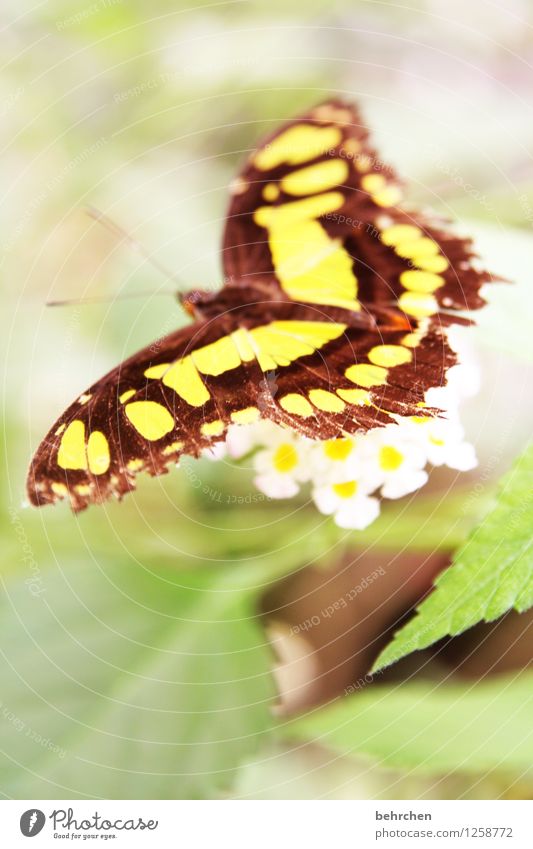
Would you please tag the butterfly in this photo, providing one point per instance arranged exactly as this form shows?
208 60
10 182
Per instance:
332 319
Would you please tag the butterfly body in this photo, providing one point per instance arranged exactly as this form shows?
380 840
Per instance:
331 286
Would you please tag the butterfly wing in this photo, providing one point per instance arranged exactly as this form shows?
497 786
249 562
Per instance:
322 378
315 168
141 416
316 214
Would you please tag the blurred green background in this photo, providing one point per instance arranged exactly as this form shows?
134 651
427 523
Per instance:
138 639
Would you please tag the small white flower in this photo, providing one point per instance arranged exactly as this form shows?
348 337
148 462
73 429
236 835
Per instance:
335 460
345 459
243 438
351 505
397 460
462 381
445 443
283 466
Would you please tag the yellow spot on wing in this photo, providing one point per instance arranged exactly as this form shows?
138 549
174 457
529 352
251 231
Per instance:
285 458
130 392
184 379
98 453
217 357
316 178
135 465
242 343
389 355
157 372
432 263
296 404
373 182
150 419
311 266
351 147
417 304
245 416
413 339
173 448
360 397
298 210
71 454
300 143
418 248
316 333
382 194
420 281
388 196
326 401
59 489
270 192
214 428
399 233
367 375
83 489
60 430
363 162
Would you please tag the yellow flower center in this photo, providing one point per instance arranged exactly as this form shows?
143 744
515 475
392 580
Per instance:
285 458
345 490
338 449
390 458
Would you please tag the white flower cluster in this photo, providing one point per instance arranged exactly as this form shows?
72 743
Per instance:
348 476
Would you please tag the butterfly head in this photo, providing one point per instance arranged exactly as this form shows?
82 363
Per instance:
192 302
202 304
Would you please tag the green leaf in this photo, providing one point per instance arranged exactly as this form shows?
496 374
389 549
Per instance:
119 681
431 727
490 574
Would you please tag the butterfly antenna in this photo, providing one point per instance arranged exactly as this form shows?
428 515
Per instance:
103 299
124 236
115 228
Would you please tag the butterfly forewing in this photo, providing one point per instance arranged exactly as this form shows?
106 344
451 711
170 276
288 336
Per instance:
316 214
300 192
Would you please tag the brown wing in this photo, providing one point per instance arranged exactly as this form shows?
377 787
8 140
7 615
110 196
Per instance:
322 378
316 214
325 151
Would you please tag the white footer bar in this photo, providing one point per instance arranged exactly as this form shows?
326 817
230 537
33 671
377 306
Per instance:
268 824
